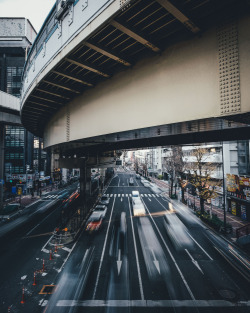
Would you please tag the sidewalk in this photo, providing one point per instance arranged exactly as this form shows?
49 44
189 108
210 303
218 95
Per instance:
235 221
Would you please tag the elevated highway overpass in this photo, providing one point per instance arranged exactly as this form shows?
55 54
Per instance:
106 75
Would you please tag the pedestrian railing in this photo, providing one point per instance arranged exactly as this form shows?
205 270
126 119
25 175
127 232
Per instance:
243 231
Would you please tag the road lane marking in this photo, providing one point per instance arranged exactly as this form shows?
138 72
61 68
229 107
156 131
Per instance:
149 195
194 261
171 255
67 257
103 251
136 254
200 247
153 303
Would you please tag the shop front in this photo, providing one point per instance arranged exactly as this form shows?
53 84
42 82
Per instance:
238 196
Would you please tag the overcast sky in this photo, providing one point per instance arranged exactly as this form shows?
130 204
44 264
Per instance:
35 10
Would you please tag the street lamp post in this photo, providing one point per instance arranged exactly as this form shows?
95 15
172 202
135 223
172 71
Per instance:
224 193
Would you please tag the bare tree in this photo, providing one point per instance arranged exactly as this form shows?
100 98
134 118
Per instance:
174 166
199 172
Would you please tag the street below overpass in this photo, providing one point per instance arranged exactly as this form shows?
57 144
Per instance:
132 264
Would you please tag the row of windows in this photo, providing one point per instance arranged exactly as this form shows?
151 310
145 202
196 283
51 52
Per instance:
14 169
14 75
14 143
11 156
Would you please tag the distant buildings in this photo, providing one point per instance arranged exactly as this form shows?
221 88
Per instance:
21 149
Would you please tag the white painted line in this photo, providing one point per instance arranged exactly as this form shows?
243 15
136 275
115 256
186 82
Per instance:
201 247
149 195
121 199
145 195
171 255
126 195
23 277
66 249
39 224
153 303
111 195
122 195
46 243
153 196
103 251
115 195
157 196
119 195
45 250
149 199
142 195
67 256
136 255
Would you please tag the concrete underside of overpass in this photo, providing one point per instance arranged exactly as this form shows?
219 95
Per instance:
172 98
195 90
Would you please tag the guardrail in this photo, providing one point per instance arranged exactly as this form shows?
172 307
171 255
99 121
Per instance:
243 231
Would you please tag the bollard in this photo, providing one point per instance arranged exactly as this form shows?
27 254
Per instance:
50 255
23 296
43 266
34 282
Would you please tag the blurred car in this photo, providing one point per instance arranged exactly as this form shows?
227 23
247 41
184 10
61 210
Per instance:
10 211
177 232
138 207
104 200
155 188
135 195
146 184
94 222
101 209
64 196
131 181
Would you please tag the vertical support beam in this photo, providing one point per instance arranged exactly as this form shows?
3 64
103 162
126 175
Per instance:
102 178
88 190
82 181
1 163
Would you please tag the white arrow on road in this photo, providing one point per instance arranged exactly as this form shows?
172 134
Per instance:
194 261
156 263
119 262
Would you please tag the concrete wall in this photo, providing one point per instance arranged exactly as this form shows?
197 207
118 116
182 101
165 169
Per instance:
16 27
9 101
181 84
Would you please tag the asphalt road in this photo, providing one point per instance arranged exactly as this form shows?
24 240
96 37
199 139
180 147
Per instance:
132 264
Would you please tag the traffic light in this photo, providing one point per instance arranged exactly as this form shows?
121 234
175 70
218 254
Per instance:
10 180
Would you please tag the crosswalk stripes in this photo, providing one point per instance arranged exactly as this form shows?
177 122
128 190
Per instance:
149 195
51 197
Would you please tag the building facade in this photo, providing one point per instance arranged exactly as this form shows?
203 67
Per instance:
22 151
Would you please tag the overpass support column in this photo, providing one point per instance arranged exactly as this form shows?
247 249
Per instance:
1 163
102 178
85 185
